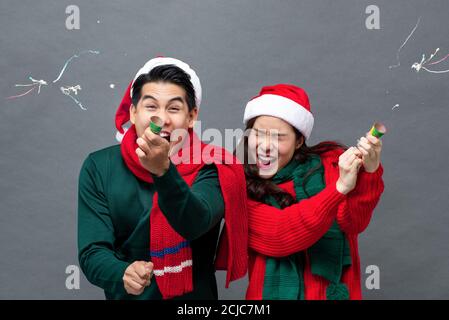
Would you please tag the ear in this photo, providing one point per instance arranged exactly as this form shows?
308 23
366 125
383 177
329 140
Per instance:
299 142
132 114
193 116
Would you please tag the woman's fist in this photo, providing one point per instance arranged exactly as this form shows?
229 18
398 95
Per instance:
370 147
349 164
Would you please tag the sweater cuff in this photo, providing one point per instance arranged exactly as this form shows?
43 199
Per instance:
117 284
165 182
373 175
370 181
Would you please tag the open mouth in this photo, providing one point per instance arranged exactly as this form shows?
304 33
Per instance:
265 162
165 134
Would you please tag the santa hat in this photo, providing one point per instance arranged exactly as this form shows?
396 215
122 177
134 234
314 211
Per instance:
122 114
285 101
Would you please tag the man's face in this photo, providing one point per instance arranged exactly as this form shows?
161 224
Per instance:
167 101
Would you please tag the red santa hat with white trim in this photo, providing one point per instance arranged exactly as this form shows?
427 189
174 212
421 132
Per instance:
285 101
122 114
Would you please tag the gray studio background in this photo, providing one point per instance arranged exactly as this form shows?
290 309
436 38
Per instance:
236 47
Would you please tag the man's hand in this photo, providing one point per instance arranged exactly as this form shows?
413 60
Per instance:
153 152
137 277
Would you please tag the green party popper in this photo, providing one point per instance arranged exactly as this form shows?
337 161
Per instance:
378 130
156 124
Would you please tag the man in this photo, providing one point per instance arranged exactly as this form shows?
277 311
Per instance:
147 225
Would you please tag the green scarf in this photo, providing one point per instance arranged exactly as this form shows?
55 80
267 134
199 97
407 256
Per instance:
284 276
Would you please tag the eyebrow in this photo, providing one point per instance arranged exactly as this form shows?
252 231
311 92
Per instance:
264 130
147 96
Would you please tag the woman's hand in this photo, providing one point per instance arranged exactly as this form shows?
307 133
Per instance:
349 164
370 147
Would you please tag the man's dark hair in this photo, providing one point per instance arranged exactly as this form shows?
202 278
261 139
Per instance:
166 73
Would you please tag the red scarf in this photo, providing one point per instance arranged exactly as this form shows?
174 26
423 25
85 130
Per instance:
170 253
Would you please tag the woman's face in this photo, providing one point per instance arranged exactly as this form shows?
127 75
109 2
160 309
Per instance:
272 143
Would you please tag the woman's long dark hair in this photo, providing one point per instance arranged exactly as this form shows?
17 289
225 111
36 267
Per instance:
259 189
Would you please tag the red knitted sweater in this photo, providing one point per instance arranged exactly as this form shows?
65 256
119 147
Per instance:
299 226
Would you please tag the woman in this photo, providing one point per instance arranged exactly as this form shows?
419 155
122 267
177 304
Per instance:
306 205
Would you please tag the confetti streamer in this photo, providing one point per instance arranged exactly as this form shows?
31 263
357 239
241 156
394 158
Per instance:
21 95
395 106
71 89
400 48
35 84
70 59
441 60
39 83
67 90
418 66
435 71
